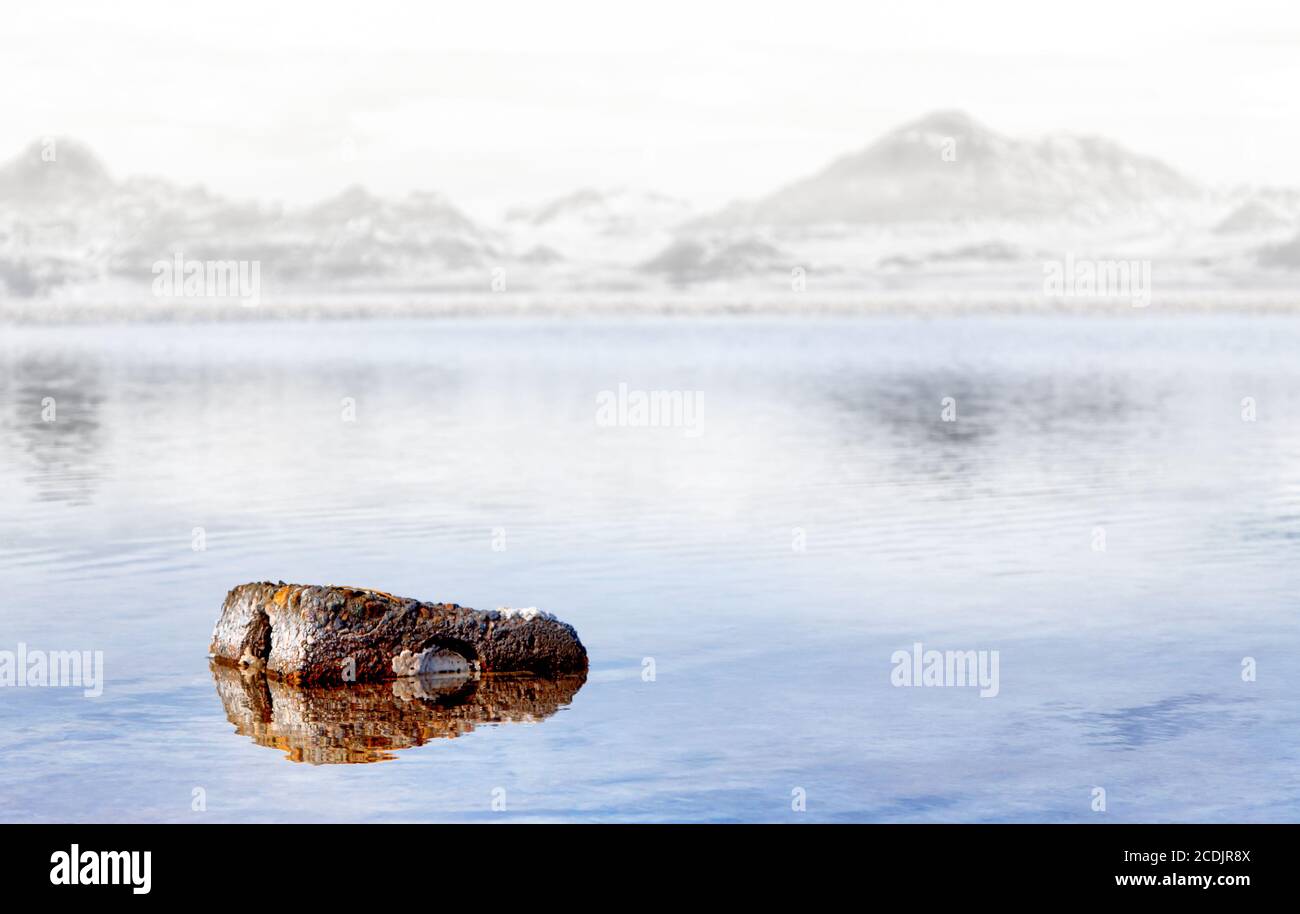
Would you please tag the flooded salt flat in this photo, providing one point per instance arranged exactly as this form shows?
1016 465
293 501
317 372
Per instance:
1111 504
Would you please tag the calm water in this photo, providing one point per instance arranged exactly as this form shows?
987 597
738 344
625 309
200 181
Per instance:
475 471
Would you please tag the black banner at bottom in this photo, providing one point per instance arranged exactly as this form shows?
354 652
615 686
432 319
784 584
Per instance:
309 862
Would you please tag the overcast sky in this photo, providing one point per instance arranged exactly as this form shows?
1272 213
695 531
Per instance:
496 103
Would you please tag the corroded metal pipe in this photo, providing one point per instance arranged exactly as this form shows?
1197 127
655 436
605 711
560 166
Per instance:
331 635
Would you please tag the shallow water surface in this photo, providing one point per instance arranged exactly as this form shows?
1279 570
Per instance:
1099 513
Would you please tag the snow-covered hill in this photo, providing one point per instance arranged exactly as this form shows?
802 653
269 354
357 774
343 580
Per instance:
65 222
943 203
948 167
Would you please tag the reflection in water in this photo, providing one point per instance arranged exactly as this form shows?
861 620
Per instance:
993 415
365 722
57 401
1166 719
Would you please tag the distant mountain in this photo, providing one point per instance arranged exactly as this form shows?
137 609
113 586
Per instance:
947 166
54 171
65 220
1253 216
593 236
618 211
942 203
1284 256
356 205
691 260
357 235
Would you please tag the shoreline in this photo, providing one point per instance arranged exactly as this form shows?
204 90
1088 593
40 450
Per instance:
613 304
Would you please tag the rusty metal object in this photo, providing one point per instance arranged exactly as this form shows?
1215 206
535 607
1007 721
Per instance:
308 635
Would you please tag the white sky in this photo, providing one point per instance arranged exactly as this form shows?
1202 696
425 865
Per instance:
496 103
